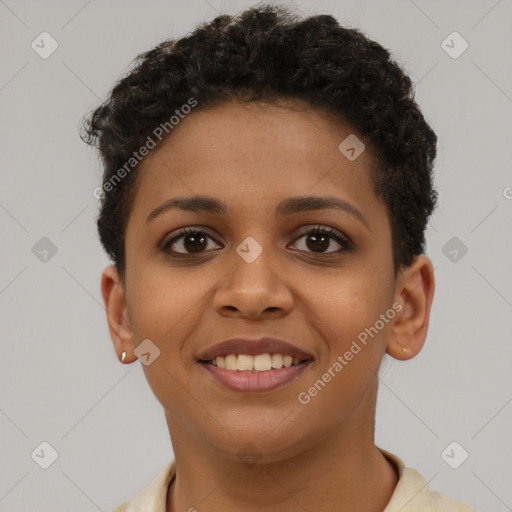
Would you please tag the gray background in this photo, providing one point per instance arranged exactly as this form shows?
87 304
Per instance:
60 379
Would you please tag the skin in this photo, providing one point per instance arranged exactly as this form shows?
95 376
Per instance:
252 157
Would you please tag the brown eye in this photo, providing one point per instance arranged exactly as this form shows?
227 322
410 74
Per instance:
189 241
318 240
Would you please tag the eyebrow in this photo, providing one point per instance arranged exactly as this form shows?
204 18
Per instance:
288 206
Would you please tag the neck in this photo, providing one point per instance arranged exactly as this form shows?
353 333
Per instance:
344 472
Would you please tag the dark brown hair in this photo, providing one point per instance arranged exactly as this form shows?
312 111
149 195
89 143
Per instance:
263 54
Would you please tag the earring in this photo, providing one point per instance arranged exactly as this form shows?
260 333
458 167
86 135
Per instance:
405 349
123 356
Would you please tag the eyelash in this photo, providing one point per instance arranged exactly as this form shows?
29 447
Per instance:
344 241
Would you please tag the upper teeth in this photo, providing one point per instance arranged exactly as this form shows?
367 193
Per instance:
260 363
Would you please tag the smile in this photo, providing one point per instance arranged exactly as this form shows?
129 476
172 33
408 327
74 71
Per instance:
259 373
259 363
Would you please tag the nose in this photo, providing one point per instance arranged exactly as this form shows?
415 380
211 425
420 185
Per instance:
253 290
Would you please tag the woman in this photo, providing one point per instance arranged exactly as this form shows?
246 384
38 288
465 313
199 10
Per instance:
267 185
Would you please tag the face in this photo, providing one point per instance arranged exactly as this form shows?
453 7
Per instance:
316 291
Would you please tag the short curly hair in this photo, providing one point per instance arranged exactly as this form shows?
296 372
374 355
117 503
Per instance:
267 53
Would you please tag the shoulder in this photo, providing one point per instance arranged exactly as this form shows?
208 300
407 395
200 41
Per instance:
430 500
442 503
153 497
412 493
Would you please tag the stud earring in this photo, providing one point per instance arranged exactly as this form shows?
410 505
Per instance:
405 349
123 356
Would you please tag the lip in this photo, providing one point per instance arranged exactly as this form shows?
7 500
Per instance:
264 345
254 381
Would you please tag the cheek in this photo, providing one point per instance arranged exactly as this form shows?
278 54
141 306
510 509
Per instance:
158 307
165 309
348 315
352 349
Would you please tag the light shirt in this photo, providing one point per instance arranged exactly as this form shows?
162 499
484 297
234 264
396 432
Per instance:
411 493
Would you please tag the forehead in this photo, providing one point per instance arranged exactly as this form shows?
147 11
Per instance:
256 153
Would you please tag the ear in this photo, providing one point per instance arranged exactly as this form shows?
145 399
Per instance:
414 290
113 292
